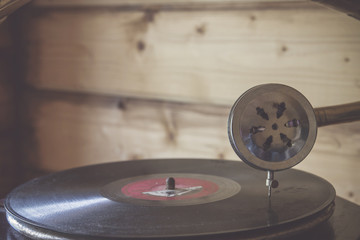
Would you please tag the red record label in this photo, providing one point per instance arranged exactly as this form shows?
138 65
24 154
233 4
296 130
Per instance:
190 189
148 188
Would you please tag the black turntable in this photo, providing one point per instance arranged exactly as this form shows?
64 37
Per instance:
225 200
271 127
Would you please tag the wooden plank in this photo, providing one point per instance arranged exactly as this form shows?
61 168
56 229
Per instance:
112 129
69 130
207 56
349 7
152 3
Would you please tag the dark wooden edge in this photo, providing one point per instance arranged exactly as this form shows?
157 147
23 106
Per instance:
9 7
349 7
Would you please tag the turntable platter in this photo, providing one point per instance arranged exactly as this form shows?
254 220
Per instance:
131 200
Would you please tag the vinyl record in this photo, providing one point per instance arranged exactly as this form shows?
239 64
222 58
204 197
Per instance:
130 200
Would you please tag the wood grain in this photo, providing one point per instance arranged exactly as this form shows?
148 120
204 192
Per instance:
205 56
111 129
68 130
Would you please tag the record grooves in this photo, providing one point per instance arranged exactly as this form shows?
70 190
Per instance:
94 202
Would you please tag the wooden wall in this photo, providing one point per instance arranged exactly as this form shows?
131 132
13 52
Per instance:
120 82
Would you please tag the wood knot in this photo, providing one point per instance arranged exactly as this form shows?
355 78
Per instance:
121 105
149 15
351 194
135 156
141 46
171 137
201 30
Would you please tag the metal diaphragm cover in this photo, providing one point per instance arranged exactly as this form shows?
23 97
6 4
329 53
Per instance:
272 127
